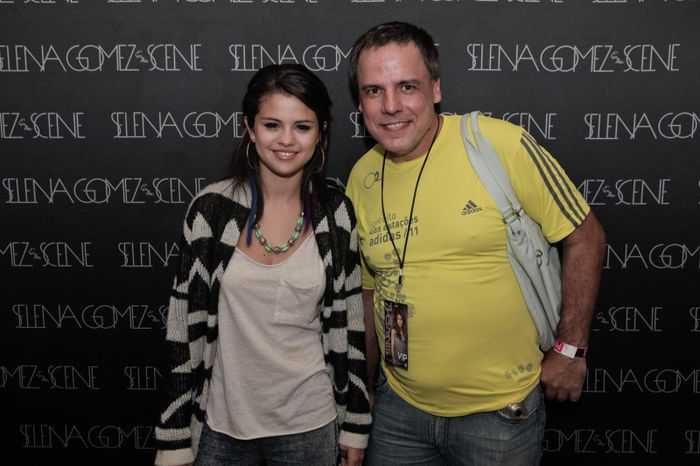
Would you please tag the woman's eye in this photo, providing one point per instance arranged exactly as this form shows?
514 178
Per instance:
270 125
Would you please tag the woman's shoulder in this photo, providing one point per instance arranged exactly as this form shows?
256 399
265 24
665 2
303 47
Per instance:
335 192
334 204
338 203
222 191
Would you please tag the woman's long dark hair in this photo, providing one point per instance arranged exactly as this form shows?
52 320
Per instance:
395 324
297 81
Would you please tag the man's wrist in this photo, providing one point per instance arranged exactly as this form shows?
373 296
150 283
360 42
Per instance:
570 351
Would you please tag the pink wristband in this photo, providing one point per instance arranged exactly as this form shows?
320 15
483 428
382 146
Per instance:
570 351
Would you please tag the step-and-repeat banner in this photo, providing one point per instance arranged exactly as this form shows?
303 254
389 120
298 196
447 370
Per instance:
113 113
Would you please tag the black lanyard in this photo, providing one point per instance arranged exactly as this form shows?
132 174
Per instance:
402 259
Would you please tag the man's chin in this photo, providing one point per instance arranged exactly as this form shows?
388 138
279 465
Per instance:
394 150
393 146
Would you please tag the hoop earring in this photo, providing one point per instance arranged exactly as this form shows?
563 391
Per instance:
247 156
323 160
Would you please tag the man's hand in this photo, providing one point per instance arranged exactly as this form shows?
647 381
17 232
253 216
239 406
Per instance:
351 456
582 265
562 377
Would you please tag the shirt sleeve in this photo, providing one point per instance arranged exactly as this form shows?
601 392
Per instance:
541 184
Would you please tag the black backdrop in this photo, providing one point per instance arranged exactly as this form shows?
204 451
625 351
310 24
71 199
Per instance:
113 113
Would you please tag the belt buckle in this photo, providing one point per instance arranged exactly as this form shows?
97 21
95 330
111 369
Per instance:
514 411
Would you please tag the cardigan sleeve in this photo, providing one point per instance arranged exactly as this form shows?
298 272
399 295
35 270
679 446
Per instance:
355 429
172 434
211 229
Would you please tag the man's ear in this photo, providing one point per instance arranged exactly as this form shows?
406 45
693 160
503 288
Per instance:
437 93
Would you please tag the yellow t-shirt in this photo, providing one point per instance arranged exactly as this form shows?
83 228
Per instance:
472 345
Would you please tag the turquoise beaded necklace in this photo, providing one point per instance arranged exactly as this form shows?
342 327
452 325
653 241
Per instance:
283 247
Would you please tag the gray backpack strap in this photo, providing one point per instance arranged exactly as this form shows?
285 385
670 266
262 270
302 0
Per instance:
534 261
491 172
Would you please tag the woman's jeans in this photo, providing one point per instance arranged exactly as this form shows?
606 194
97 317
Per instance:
404 435
316 447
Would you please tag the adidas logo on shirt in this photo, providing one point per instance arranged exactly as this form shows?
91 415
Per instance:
471 208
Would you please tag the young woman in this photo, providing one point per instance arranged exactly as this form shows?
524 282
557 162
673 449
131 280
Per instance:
265 328
399 345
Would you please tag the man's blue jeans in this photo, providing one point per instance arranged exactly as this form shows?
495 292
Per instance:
404 435
316 447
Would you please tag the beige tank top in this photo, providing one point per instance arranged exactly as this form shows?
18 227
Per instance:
269 376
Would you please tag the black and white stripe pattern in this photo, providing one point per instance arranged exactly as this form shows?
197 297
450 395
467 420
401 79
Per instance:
213 225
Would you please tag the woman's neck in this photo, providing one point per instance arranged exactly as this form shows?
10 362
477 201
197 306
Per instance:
278 190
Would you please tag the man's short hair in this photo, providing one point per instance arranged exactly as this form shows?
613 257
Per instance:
399 33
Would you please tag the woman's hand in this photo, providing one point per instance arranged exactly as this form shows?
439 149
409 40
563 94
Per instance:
351 456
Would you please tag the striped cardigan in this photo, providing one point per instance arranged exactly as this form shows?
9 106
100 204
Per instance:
213 224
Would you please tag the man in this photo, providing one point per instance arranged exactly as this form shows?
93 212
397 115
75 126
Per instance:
467 388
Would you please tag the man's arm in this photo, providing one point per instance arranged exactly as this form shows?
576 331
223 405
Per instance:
583 252
372 348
